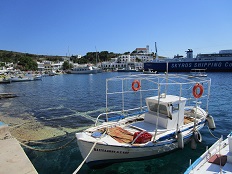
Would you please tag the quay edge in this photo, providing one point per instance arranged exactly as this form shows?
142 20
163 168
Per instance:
13 159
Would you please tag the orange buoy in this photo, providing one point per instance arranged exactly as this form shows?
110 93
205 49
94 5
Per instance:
195 93
136 85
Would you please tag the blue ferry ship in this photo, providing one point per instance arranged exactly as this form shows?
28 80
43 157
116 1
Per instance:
215 62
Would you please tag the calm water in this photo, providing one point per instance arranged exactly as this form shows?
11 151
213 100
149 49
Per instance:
68 101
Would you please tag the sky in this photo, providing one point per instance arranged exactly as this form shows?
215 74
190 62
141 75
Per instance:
75 27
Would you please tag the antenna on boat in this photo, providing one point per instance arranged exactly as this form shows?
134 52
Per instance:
166 73
167 68
156 54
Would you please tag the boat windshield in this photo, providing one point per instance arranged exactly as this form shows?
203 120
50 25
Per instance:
154 107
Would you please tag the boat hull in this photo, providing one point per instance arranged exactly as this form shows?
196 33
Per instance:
95 71
5 81
209 162
21 79
127 70
182 66
103 155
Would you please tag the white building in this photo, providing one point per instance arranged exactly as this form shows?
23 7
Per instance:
134 60
57 66
49 66
40 66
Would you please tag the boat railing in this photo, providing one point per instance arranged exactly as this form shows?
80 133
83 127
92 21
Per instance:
205 156
123 114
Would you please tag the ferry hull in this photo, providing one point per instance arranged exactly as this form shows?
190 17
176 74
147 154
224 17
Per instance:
210 66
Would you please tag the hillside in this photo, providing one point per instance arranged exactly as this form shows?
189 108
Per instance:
90 57
11 56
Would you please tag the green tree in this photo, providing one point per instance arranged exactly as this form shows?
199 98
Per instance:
27 63
66 65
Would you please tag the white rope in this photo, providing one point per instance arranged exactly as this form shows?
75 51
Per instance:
79 167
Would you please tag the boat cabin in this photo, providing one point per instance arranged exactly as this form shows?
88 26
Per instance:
168 110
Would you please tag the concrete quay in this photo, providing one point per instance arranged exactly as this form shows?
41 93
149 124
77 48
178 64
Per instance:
13 159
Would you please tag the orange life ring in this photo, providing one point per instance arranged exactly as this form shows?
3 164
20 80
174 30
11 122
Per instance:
195 93
136 83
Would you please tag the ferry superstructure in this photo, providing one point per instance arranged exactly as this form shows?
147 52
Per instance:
214 62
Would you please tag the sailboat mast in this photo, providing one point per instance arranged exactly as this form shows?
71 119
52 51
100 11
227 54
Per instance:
96 55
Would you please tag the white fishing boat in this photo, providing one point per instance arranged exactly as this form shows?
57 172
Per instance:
86 69
152 118
216 159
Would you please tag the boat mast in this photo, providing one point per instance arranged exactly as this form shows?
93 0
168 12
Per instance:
96 55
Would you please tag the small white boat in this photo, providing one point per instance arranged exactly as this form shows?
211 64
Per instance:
216 159
21 79
99 70
5 80
127 70
84 70
7 95
198 73
150 71
152 118
37 77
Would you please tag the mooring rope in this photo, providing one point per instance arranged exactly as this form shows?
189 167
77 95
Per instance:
212 133
18 125
79 167
47 150
43 141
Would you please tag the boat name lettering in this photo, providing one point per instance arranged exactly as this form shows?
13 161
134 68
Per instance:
207 64
110 151
200 65
181 65
228 64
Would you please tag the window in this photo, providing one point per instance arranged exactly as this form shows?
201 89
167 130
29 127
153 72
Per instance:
175 107
154 107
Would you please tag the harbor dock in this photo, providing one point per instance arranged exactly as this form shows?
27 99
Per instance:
12 156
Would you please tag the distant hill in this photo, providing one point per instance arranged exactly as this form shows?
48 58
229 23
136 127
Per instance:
12 56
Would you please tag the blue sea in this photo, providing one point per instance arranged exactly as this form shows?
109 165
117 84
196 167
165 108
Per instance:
69 100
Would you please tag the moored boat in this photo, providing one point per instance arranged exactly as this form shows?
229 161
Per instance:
37 77
3 80
152 119
128 69
149 71
21 79
198 73
87 69
216 159
7 95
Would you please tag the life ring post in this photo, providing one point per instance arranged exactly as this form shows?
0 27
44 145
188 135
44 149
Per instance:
136 85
